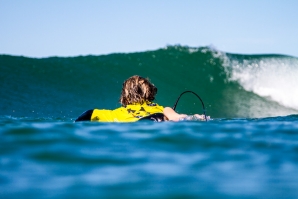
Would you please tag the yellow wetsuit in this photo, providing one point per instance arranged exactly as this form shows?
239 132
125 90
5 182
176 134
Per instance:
130 113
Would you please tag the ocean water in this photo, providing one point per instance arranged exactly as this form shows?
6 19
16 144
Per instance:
248 150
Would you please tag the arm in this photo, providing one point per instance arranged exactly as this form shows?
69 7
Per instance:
172 115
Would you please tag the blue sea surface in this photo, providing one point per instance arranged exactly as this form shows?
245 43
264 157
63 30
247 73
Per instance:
248 150
221 158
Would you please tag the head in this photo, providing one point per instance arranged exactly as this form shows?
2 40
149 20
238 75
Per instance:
137 89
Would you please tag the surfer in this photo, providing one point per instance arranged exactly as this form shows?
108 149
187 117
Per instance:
136 98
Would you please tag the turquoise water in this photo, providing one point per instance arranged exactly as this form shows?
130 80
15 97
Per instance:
248 149
230 85
223 158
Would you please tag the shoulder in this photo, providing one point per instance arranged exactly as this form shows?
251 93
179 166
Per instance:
155 105
152 104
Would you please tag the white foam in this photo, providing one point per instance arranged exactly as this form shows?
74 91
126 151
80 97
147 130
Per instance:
275 78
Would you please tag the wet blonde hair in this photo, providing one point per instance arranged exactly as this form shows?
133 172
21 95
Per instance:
137 89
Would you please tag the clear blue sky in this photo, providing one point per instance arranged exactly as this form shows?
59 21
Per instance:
38 28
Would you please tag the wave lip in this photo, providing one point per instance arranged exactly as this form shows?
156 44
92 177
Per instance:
273 77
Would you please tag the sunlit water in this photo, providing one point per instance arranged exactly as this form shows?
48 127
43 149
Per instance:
222 158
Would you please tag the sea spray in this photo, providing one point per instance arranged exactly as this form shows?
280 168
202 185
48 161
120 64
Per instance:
273 77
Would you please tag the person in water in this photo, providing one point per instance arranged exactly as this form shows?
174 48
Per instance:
136 98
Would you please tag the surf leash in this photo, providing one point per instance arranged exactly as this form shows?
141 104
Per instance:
174 107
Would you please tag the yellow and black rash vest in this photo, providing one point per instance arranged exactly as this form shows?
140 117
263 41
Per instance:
130 113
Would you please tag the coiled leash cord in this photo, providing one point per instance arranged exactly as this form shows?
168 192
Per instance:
174 107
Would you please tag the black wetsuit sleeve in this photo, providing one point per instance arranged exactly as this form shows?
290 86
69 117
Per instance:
86 116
